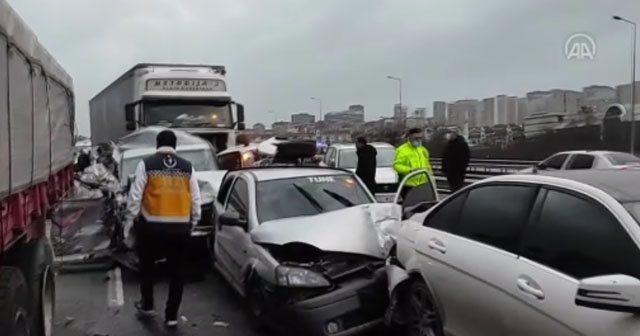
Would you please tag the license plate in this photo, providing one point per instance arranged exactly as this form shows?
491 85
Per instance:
385 198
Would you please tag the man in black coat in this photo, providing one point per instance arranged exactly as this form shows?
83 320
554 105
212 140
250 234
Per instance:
366 168
455 160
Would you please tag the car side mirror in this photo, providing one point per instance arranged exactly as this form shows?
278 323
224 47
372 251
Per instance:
332 163
233 219
616 292
541 166
130 180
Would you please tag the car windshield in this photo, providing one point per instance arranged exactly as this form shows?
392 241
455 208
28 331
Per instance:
349 158
187 114
201 159
620 159
306 196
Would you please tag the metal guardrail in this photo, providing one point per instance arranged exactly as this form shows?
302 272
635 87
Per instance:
479 169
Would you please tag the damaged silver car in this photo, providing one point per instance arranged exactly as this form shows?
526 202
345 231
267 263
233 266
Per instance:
306 247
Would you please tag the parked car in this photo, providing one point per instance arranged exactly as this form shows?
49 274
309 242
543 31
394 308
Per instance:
585 159
344 156
546 254
306 246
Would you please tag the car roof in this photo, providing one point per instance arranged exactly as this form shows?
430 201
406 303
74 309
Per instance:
594 152
353 146
622 185
276 173
136 152
240 148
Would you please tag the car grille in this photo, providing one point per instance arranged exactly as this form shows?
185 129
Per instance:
386 187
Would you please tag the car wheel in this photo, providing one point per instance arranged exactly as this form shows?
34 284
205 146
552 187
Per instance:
423 317
256 302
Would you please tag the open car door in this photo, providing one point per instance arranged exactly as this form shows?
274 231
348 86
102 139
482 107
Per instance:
420 198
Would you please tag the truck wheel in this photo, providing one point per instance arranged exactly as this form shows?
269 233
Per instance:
14 298
35 259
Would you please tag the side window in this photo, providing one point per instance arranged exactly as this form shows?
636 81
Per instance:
496 215
580 238
446 217
582 161
555 161
239 197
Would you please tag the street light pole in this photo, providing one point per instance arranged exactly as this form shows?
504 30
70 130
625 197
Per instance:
633 82
399 88
320 105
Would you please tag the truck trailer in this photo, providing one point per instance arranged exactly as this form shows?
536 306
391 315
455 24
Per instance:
36 171
193 98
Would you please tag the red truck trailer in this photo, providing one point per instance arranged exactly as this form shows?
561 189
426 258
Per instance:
36 171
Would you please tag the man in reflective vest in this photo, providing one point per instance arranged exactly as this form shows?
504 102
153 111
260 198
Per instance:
165 193
410 156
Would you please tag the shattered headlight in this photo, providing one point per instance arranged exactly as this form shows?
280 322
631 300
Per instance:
299 277
207 192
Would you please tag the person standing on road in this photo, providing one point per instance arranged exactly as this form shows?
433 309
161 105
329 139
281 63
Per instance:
166 194
455 160
411 156
366 167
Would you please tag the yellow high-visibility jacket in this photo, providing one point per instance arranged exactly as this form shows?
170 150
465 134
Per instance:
409 158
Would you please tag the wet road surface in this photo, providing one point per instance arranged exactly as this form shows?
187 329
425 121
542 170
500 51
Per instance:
101 304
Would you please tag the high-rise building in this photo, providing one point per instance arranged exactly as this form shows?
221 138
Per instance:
440 112
302 118
501 110
522 110
488 112
512 110
399 112
464 111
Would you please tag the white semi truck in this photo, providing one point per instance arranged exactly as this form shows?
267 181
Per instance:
193 98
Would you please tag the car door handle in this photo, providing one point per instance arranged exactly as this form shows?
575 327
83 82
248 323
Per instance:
437 245
530 287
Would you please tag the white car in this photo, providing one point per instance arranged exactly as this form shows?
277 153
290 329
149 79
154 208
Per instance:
585 159
554 253
305 247
344 156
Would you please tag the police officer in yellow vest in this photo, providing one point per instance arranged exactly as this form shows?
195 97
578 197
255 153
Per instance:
410 156
165 193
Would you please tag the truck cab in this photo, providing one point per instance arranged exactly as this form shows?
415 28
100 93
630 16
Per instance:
192 98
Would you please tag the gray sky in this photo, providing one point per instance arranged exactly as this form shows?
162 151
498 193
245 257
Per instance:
281 52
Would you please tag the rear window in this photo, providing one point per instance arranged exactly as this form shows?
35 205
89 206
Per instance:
620 159
306 196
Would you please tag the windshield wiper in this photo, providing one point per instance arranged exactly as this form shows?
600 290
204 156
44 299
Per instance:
309 198
339 198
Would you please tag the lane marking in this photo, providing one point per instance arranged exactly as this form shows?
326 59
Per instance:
119 287
115 289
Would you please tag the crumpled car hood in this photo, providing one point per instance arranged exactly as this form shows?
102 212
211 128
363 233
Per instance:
366 229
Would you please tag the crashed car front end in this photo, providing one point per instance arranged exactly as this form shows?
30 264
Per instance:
329 274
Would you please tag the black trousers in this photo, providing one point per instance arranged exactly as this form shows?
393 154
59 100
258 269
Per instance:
456 180
155 242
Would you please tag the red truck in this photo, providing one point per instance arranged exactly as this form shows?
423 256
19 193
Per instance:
37 127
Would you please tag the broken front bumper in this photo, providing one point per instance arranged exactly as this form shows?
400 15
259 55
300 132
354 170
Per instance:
355 306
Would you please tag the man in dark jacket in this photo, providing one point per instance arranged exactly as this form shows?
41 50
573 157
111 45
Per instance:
366 168
455 160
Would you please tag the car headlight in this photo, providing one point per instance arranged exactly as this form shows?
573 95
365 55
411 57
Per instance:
207 193
299 277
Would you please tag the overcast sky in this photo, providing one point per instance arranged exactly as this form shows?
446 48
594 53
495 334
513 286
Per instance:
279 53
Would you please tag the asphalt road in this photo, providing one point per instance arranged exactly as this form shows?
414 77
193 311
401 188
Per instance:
101 304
